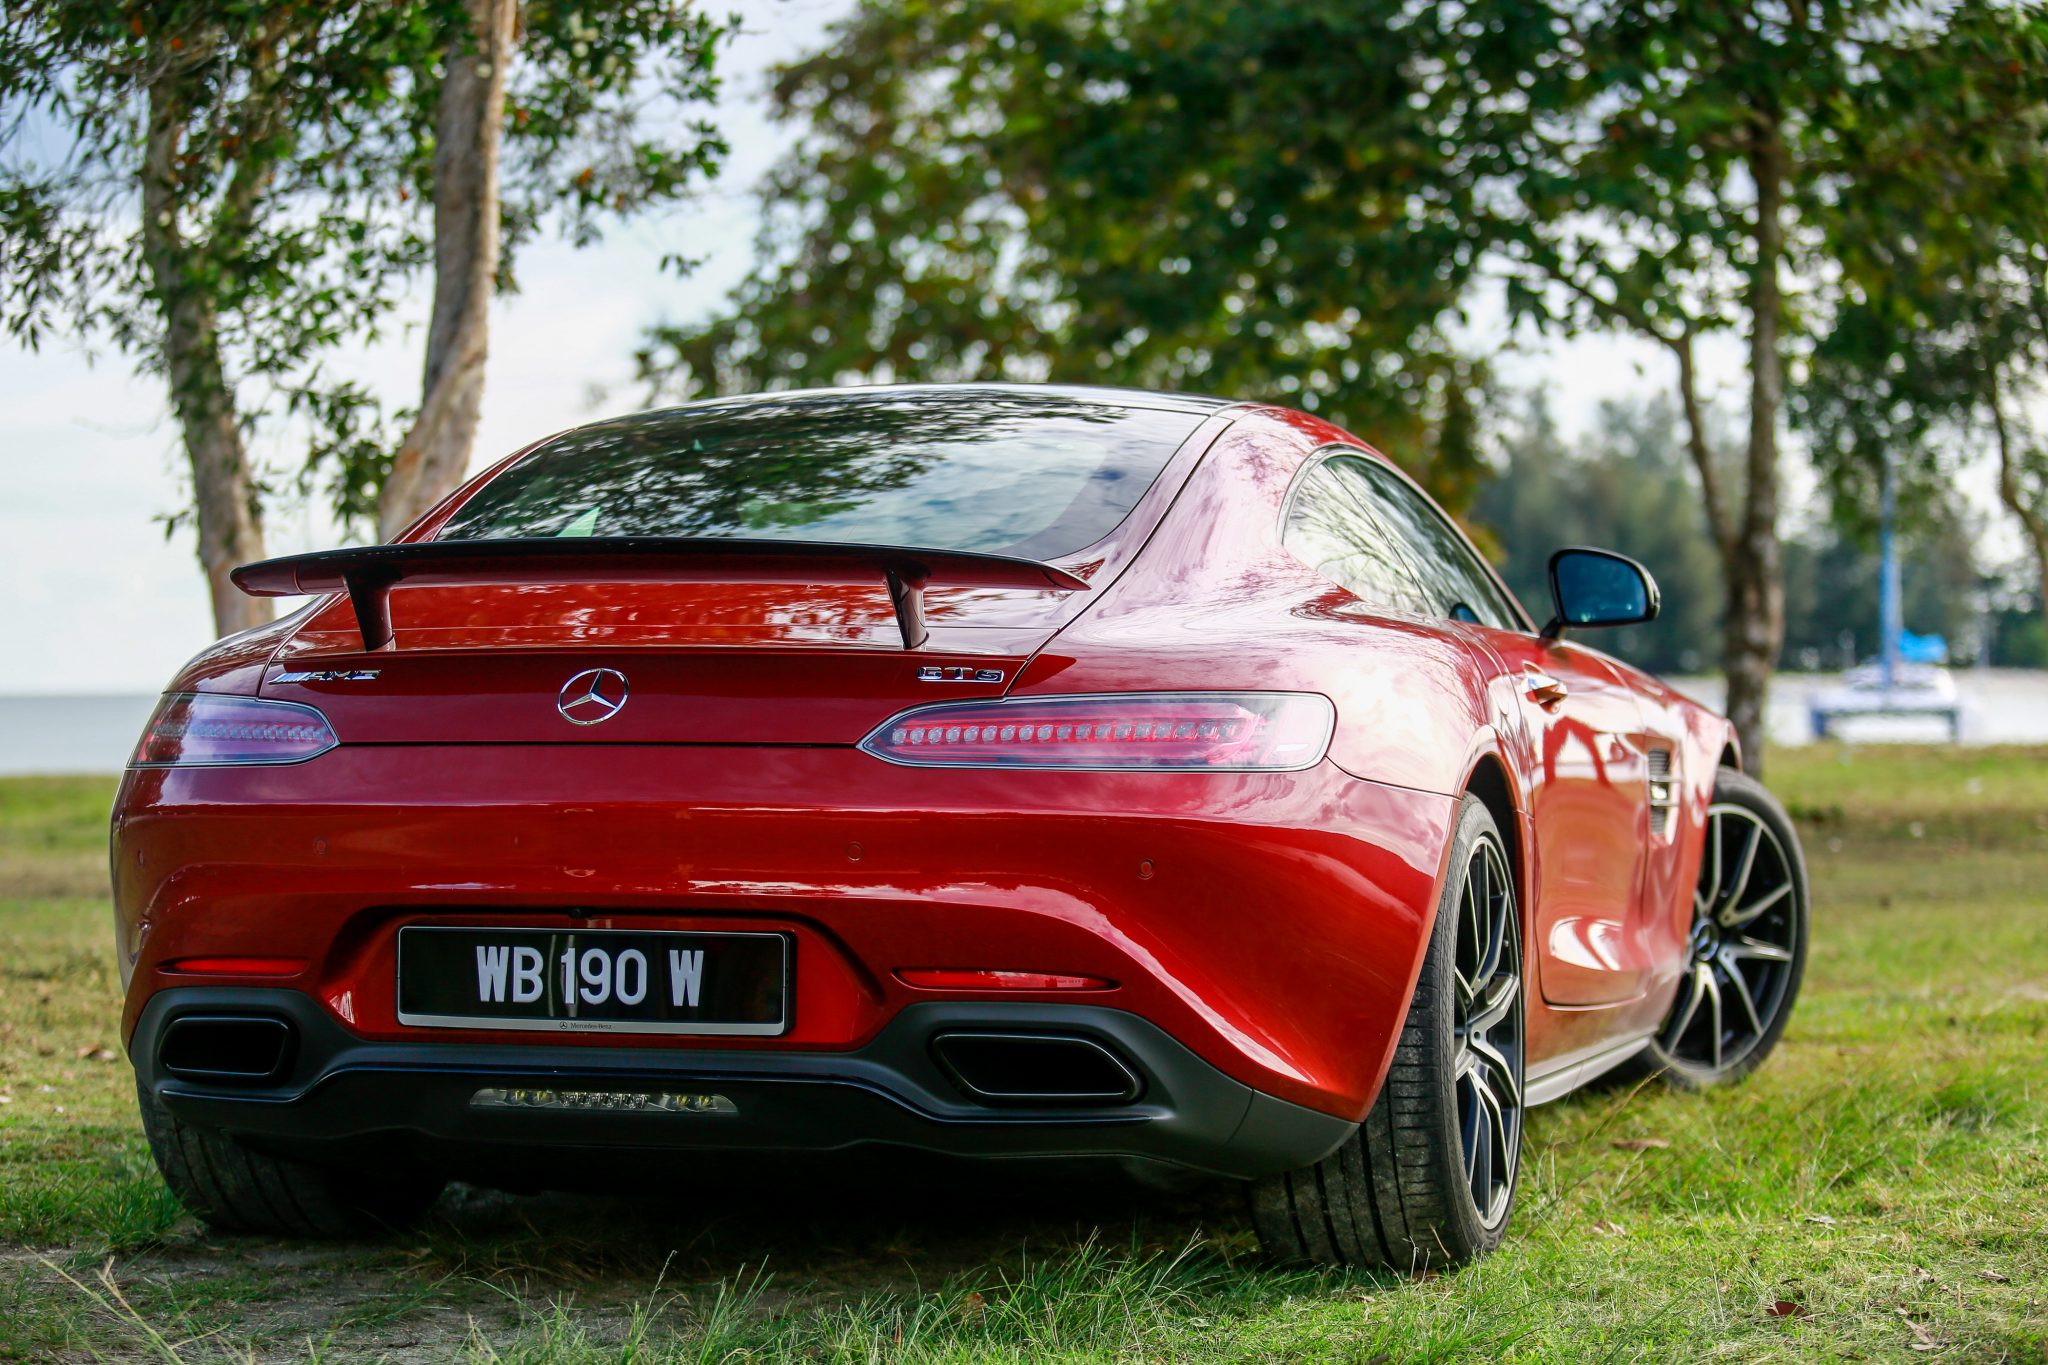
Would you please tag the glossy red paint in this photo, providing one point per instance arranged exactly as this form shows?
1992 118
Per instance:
1271 922
872 867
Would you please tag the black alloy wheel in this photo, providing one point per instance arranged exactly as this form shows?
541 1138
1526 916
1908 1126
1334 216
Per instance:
1747 949
1488 1028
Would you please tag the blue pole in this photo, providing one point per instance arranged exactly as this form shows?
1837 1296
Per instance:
1890 618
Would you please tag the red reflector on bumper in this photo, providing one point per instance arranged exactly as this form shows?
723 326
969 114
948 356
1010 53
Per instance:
238 966
984 979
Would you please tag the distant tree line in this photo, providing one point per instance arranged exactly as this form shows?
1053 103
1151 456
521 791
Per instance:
1627 484
1301 201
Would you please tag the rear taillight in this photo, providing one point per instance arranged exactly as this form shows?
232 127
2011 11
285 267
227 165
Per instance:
198 729
1132 731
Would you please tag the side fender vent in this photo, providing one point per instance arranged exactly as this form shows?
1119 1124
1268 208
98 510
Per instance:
1663 793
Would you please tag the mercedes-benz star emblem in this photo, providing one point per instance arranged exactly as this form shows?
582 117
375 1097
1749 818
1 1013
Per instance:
594 695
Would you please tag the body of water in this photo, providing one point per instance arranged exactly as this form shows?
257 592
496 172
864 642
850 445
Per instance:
70 734
2000 706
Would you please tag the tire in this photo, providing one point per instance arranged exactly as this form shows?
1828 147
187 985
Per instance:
1400 1192
1743 974
234 1188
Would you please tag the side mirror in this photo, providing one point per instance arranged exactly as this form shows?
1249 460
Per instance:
1598 588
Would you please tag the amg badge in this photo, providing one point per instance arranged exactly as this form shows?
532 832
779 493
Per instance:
952 673
328 675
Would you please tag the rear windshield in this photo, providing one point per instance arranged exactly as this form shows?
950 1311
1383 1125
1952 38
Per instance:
1038 476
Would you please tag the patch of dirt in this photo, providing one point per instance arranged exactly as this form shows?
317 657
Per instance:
801 1233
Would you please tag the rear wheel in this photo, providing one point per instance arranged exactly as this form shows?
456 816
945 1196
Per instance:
1429 1178
1747 951
239 1189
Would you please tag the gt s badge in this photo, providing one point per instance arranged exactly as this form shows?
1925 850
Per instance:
329 675
951 673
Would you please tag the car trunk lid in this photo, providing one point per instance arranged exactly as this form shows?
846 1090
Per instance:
703 652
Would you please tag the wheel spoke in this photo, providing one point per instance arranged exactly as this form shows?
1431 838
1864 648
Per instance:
1732 918
1682 1015
1711 862
1747 949
1493 1168
1492 1068
1475 1134
1492 1006
1510 938
1745 865
1713 992
1480 885
1503 1141
1742 994
1468 911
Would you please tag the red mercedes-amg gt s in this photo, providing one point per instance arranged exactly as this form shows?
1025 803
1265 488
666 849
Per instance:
995 771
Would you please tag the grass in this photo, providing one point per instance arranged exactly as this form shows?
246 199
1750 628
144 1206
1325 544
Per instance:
1879 1191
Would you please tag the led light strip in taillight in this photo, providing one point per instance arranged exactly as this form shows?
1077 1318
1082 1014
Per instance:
1115 732
209 729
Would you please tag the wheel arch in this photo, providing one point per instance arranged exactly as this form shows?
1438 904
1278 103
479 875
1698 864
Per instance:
1489 778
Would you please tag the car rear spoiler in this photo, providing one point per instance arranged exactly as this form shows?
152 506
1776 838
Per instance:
367 574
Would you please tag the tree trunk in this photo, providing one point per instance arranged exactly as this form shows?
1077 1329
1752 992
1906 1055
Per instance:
2012 490
468 127
1752 566
229 516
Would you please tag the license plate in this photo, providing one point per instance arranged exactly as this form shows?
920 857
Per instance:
593 980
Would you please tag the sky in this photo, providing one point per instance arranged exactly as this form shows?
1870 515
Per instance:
102 601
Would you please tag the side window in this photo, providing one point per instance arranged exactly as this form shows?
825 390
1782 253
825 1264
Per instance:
1328 527
1452 576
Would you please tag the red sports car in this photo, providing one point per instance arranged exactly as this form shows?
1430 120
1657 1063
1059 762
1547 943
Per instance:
992 771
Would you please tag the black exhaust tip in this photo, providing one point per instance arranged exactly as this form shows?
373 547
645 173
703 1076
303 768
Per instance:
241 1049
1036 1068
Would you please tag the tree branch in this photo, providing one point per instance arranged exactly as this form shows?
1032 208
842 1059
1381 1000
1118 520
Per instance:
1719 524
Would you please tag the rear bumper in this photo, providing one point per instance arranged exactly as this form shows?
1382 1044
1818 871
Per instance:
1271 924
337 1097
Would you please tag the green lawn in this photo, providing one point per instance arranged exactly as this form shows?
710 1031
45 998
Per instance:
1878 1191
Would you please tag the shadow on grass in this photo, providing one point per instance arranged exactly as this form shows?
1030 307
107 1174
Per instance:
854 1226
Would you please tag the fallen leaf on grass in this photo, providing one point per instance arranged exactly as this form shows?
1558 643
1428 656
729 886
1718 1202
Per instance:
1609 1228
1819 1218
1640 1144
93 1052
1921 1272
1923 1340
1785 1308
1993 1277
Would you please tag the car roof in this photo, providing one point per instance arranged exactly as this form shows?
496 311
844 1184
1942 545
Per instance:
1054 399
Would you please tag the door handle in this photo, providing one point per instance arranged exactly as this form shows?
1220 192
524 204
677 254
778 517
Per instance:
1543 689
